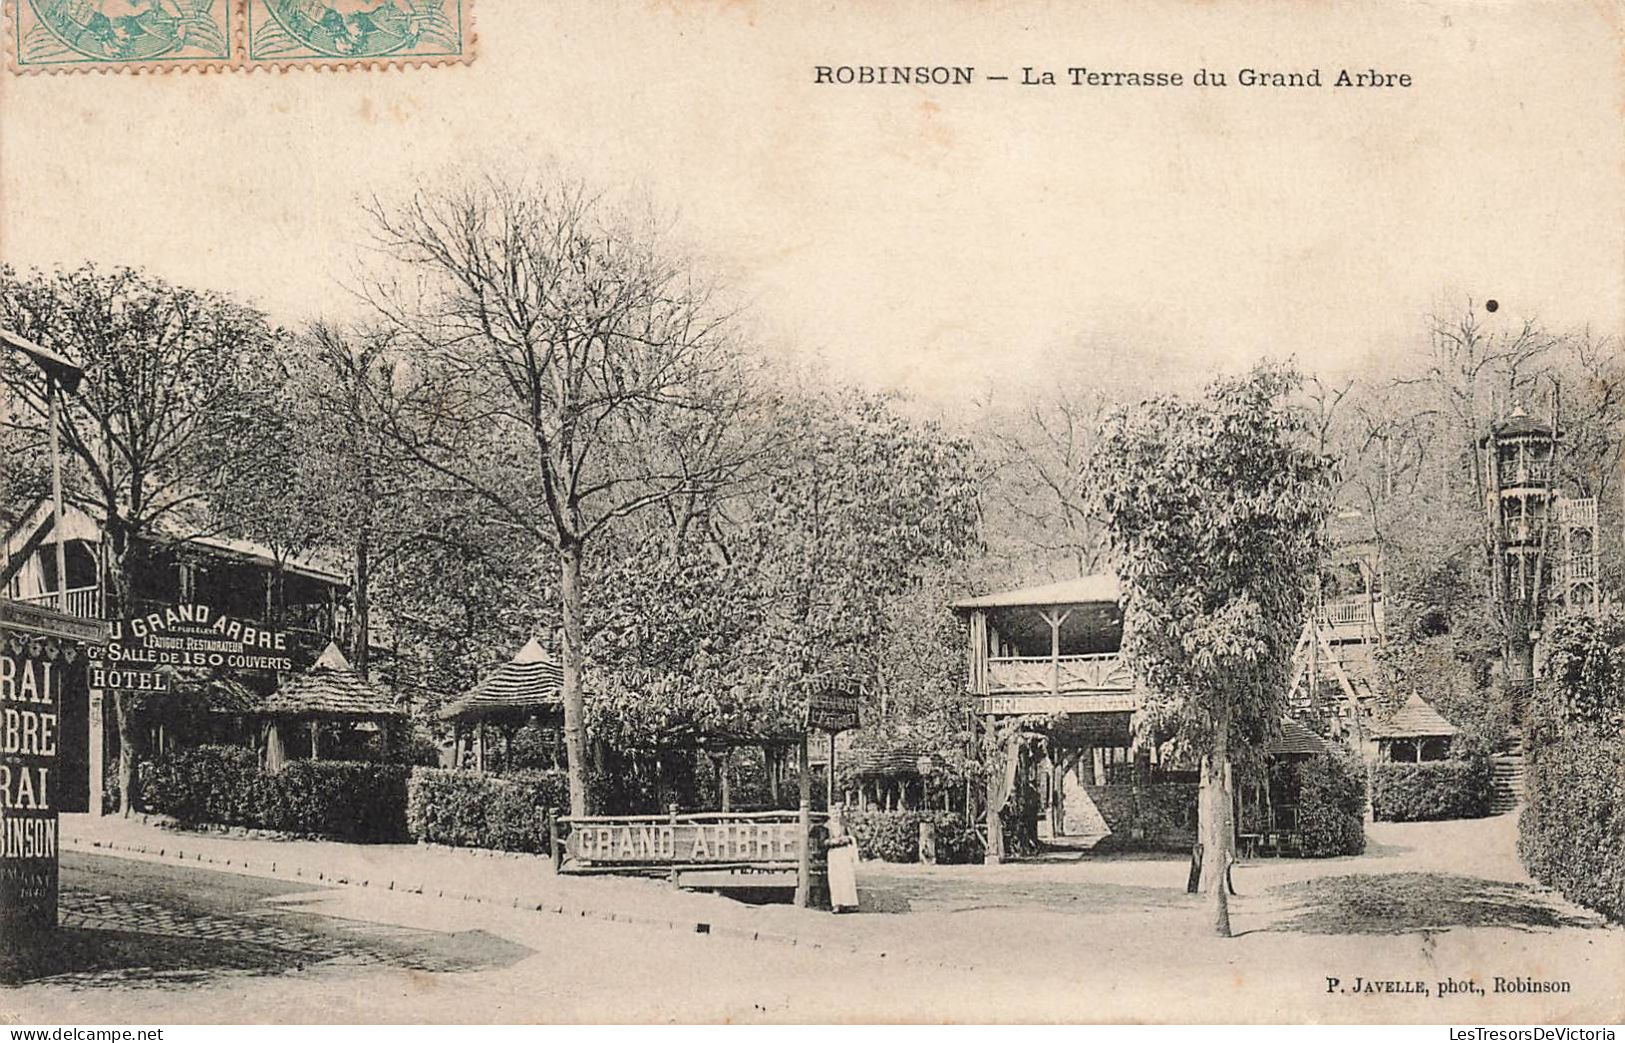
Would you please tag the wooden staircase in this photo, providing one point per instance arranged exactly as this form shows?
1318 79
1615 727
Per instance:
1506 777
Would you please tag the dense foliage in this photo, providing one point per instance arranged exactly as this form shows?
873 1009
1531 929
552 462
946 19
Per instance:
1431 791
224 785
1331 802
1572 830
894 836
471 809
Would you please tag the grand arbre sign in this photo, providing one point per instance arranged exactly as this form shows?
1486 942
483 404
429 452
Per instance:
42 671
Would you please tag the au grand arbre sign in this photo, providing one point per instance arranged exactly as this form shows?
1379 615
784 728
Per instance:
144 648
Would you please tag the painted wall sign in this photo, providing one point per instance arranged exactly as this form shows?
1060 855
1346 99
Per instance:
31 676
187 636
832 710
1061 703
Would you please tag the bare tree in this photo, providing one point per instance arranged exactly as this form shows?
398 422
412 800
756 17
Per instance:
542 315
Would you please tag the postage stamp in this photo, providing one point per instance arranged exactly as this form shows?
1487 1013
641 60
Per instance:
339 32
152 35
116 34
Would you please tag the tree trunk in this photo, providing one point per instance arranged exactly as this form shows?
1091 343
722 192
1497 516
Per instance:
116 568
1217 829
363 602
575 738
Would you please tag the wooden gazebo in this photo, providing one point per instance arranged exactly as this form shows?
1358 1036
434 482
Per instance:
1415 733
330 691
525 688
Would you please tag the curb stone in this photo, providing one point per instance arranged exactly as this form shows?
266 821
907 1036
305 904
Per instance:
692 927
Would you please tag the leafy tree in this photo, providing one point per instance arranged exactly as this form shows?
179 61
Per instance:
1215 508
176 382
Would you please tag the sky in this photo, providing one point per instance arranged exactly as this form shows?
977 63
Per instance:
949 241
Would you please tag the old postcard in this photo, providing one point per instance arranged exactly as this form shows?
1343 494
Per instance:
715 511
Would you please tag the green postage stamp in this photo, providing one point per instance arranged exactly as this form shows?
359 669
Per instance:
149 35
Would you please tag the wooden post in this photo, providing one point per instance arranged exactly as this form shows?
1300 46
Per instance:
479 745
829 787
804 820
315 740
53 396
671 874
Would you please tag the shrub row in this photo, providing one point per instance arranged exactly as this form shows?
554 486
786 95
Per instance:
1571 834
345 800
1431 790
468 809
894 836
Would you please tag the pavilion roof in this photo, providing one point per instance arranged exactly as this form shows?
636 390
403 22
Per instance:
1415 720
1101 588
530 682
330 688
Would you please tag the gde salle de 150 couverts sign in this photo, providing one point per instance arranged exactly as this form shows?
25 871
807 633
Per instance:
185 636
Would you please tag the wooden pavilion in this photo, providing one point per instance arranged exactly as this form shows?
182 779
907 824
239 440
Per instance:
330 692
526 688
1416 733
1051 654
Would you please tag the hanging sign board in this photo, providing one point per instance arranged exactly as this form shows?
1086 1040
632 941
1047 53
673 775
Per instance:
832 710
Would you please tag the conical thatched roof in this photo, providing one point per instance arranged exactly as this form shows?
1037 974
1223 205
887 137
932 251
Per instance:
1415 720
330 688
528 683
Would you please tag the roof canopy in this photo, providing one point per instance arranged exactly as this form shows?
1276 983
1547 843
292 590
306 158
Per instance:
1100 589
527 684
331 688
1415 720
65 372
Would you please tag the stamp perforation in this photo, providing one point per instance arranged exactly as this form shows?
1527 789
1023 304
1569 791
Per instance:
322 25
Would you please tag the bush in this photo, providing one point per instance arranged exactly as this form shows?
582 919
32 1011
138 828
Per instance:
345 800
1431 790
470 809
1331 803
1571 834
894 836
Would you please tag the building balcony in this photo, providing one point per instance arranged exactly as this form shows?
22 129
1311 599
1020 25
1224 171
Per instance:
1066 684
85 602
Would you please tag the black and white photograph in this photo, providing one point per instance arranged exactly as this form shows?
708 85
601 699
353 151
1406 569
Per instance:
717 512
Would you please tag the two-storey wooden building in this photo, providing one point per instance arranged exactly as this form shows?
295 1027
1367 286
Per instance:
1051 654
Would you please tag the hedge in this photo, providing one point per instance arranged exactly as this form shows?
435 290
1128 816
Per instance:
894 836
471 809
1431 790
1571 834
344 800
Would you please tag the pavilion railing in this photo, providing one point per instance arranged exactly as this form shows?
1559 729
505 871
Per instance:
1068 673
